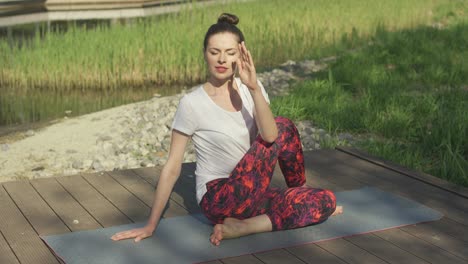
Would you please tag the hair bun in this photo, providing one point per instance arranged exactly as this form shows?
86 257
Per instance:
228 18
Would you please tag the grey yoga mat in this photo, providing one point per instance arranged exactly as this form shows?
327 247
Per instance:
185 239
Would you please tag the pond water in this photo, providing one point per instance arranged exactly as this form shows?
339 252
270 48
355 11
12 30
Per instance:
21 110
24 110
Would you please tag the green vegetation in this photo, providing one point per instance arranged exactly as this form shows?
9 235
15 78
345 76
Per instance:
36 75
399 84
405 96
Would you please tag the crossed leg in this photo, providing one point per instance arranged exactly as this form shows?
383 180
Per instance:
244 204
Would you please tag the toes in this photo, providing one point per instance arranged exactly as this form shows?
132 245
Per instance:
217 235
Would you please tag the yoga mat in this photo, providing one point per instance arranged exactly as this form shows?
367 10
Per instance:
186 239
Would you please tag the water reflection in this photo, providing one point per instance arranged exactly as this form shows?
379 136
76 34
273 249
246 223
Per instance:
23 110
20 111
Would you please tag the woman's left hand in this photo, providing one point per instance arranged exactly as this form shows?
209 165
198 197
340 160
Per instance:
246 68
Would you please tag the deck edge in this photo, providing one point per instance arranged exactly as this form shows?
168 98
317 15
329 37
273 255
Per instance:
421 176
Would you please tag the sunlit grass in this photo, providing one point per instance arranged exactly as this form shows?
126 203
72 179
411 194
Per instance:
146 53
406 95
167 49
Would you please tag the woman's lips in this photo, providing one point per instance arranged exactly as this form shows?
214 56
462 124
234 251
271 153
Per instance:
221 69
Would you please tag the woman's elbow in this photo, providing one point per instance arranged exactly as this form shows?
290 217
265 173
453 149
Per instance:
271 137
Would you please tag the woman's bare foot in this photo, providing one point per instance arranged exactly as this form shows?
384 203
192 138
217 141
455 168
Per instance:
233 228
230 228
338 210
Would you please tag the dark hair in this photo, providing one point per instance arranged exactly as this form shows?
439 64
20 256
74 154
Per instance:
226 23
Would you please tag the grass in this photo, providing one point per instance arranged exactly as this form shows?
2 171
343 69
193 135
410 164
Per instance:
166 50
403 90
405 96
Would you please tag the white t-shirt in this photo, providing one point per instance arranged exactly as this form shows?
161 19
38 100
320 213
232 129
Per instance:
221 138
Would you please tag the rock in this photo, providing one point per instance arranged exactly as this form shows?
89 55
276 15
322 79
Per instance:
71 151
108 165
104 138
289 66
30 133
5 147
39 168
97 166
345 137
68 172
77 164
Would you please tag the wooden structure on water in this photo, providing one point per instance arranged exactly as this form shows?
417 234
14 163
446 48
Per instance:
61 5
50 206
16 12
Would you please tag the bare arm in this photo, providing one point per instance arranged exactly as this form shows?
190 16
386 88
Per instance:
263 116
169 175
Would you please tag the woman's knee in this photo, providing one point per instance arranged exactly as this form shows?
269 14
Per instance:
286 127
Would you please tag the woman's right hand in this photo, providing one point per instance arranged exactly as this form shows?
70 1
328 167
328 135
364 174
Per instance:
137 233
167 179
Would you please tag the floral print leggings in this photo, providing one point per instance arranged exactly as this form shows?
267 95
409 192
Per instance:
246 192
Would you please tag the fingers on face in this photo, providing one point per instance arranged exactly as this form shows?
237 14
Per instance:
239 65
243 51
245 54
250 58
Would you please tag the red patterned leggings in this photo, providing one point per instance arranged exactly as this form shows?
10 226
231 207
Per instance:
246 192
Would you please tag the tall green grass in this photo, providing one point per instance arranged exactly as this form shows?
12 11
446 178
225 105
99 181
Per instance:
42 77
406 96
167 49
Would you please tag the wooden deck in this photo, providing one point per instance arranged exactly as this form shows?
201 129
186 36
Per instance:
52 206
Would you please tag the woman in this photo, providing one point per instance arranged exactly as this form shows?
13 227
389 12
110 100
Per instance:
234 164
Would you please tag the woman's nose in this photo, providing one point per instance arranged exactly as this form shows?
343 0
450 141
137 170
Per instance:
222 57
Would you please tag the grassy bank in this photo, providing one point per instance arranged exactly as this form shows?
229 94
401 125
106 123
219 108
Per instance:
405 96
167 49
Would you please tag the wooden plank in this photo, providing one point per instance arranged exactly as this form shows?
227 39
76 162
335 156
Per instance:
409 184
349 167
277 180
311 253
120 197
317 181
448 227
279 256
64 205
383 249
321 163
150 174
349 252
212 262
144 191
184 189
440 239
22 238
97 205
419 247
35 209
424 177
6 254
245 259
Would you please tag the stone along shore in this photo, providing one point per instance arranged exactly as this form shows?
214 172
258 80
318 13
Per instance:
132 136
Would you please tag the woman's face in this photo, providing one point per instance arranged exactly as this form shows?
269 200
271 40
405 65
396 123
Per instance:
221 55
